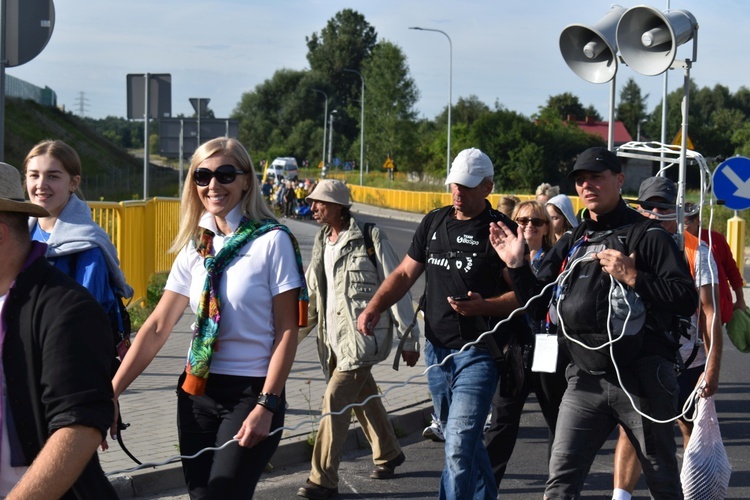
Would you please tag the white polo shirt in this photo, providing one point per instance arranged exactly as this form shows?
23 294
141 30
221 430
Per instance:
264 267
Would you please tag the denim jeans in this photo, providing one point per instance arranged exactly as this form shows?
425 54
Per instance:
591 408
440 390
472 377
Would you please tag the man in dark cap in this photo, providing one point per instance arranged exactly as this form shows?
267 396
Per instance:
611 360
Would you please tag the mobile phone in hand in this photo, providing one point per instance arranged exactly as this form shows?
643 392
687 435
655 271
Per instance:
460 298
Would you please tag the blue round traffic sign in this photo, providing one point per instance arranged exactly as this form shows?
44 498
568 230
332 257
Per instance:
731 182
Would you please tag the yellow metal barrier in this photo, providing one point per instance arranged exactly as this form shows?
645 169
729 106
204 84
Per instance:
418 201
142 231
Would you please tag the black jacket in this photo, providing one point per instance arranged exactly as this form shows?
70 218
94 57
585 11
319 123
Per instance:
663 281
57 359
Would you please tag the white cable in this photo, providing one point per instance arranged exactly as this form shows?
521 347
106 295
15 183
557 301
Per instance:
171 459
560 279
349 406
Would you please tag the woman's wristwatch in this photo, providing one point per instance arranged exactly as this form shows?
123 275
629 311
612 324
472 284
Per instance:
269 401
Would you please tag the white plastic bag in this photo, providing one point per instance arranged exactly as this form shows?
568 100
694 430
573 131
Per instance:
705 467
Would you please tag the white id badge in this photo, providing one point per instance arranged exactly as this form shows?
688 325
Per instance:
545 353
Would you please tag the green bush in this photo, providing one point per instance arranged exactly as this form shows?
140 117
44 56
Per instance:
154 291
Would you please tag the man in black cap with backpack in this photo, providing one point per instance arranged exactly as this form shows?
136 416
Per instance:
622 282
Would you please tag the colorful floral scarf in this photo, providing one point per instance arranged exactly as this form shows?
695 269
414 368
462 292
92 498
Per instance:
206 330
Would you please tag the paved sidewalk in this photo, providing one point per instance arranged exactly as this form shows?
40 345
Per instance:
149 405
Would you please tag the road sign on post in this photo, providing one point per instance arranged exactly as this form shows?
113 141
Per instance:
169 134
149 96
25 28
731 182
159 95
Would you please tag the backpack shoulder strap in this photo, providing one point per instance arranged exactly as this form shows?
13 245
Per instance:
369 245
637 231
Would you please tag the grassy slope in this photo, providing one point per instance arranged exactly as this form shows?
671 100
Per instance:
109 172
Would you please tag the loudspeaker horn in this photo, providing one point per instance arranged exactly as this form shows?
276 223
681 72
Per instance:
648 39
591 52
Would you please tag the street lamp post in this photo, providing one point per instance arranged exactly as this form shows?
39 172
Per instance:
638 131
450 93
361 127
330 138
325 122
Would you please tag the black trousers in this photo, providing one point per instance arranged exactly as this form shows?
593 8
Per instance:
507 406
210 421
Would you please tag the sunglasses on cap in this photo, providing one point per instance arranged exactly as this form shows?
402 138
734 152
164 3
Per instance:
535 221
225 174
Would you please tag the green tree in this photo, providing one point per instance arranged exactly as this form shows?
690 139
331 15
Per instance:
345 43
591 112
389 106
563 105
632 108
269 113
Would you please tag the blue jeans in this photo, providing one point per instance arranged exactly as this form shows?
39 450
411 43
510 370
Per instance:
591 408
438 382
471 377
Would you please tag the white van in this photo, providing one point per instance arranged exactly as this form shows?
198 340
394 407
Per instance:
283 168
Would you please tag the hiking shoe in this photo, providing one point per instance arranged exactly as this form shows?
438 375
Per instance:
316 491
434 431
388 469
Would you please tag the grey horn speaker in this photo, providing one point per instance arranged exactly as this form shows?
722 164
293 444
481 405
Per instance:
591 51
648 38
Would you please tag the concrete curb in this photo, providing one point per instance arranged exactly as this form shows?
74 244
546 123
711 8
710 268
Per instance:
292 452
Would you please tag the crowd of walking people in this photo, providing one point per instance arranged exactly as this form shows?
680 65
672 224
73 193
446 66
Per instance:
241 273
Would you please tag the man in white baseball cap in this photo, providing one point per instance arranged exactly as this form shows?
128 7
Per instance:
470 168
466 296
57 363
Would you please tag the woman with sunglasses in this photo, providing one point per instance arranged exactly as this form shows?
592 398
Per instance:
548 387
532 217
241 273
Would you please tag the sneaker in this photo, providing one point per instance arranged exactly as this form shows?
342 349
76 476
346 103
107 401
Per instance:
488 422
316 491
388 469
434 431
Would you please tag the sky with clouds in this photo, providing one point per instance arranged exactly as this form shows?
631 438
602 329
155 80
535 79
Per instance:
504 51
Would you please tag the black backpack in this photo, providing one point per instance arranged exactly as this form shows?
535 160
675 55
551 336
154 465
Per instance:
589 304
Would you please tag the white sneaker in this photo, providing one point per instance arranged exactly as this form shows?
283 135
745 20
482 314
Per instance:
434 431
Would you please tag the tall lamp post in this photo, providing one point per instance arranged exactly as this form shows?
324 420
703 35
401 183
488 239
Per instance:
325 122
361 127
450 93
330 138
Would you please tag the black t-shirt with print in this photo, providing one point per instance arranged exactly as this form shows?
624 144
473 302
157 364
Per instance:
475 260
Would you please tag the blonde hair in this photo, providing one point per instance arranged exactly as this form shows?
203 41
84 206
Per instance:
537 210
547 189
191 211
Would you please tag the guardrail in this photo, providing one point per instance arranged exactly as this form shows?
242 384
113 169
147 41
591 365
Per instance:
143 231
